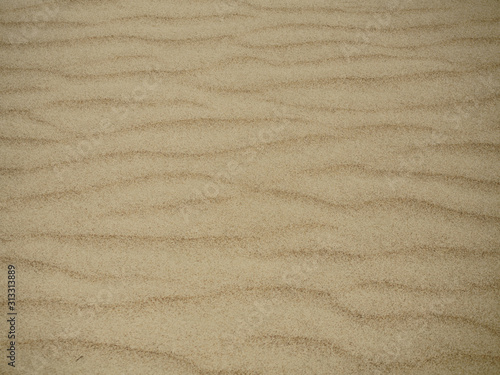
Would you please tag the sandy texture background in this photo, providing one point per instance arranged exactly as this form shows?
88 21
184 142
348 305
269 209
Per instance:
251 187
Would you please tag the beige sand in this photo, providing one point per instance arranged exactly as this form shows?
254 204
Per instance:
251 187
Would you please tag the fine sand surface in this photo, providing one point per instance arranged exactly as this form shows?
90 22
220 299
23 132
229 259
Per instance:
251 187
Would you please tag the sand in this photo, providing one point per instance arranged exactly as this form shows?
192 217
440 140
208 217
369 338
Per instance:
250 187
